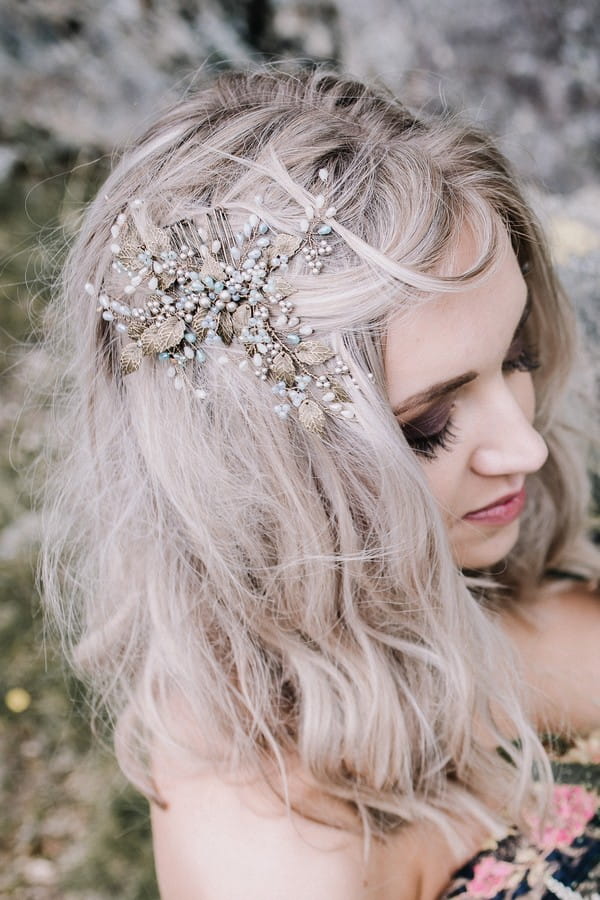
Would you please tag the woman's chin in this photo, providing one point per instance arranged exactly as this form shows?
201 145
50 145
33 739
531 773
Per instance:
479 547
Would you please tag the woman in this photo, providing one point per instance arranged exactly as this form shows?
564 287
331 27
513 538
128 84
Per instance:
318 474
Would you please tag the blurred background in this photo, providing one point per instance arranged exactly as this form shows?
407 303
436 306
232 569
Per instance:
78 78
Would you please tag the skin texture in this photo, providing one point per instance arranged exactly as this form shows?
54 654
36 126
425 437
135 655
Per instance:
495 447
218 840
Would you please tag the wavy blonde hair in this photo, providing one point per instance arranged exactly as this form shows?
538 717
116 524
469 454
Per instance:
296 595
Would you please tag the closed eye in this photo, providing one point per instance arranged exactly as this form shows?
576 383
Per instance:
521 357
430 432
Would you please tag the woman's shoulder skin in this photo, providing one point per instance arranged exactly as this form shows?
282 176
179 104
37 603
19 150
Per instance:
221 840
218 840
557 636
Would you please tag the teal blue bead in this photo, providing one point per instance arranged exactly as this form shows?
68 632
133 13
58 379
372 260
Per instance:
164 355
293 339
208 281
324 229
218 286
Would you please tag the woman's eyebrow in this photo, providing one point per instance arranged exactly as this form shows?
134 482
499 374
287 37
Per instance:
434 392
446 387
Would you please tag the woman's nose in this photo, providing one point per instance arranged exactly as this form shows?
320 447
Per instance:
508 443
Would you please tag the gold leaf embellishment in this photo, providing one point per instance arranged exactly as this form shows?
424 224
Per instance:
131 358
198 285
341 394
286 245
241 317
211 268
311 416
166 336
312 352
283 368
157 238
283 287
150 342
136 328
166 279
225 329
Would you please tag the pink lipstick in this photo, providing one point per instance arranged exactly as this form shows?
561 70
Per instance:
500 512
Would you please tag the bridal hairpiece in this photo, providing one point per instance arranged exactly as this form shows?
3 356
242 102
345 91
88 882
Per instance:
206 287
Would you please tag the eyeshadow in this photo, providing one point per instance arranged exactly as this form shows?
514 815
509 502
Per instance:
430 422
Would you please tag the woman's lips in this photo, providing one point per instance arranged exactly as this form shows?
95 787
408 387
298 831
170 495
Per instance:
501 512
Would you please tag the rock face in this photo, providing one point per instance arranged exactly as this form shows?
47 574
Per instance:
81 72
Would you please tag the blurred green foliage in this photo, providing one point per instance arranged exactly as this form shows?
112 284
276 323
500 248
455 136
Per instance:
71 828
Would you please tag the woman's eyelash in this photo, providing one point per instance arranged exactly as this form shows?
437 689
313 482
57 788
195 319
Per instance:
428 445
524 360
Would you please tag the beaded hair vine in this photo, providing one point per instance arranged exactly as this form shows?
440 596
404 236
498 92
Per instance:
208 287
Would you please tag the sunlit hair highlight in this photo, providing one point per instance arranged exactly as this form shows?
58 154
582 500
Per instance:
283 594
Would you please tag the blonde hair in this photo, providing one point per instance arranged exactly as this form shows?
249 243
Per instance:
295 595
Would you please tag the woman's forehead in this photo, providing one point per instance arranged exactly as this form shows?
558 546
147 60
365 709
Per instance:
454 332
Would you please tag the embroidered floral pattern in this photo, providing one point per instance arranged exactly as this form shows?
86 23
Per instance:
574 807
564 859
489 876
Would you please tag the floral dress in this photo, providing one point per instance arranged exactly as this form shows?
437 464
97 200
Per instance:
562 860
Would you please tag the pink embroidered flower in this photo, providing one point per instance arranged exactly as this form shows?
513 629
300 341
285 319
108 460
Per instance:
573 809
489 876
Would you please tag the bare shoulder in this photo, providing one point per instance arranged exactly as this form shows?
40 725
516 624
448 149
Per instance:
558 638
221 840
569 604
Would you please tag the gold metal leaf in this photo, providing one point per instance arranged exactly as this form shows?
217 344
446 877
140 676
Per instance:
166 279
130 243
283 287
312 352
341 394
136 328
164 337
131 358
241 316
311 416
150 342
212 267
283 368
225 327
156 239
285 245
197 327
170 333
